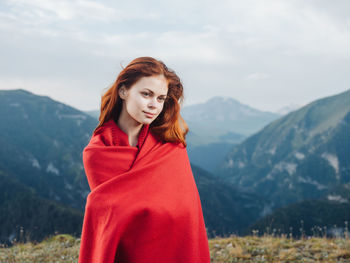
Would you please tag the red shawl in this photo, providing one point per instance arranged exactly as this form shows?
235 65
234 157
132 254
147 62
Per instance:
144 205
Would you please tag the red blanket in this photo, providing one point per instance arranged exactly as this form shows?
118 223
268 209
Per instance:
144 205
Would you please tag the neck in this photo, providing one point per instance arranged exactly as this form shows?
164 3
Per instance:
131 127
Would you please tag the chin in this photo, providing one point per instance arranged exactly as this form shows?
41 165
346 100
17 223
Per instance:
146 121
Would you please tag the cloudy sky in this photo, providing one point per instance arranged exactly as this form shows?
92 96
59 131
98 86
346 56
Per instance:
267 54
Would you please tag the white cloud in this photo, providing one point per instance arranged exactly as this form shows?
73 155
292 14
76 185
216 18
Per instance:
65 10
229 45
257 76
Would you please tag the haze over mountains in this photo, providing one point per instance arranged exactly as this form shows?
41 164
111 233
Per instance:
286 159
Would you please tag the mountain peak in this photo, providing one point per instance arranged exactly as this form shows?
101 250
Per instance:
220 99
17 91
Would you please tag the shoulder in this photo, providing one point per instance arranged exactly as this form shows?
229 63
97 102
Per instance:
104 134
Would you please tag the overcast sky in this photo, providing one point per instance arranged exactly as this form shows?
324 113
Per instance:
267 54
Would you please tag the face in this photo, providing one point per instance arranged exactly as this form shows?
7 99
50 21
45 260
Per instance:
144 100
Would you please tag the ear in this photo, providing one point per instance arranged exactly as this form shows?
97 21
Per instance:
122 92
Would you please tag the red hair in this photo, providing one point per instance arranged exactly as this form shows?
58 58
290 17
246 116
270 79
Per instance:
169 126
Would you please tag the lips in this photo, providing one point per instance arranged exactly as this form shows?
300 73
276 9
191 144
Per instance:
150 115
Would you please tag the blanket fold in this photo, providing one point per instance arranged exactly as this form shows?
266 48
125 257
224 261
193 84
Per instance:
144 204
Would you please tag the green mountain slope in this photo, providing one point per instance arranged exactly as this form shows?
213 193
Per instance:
41 145
299 156
26 217
226 210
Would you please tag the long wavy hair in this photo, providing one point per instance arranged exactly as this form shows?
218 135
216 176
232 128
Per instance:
169 126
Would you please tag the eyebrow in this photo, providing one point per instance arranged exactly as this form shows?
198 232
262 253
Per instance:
153 92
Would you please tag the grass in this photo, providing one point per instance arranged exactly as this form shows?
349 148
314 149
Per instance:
59 248
279 249
65 248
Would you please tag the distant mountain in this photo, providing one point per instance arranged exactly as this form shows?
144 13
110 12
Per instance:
217 125
226 209
299 156
41 145
223 120
24 216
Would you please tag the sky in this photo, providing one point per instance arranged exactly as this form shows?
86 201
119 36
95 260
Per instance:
266 54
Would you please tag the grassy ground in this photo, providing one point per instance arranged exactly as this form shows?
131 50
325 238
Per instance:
279 249
59 248
64 248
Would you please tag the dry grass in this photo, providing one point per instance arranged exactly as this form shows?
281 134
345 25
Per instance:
279 249
59 248
65 248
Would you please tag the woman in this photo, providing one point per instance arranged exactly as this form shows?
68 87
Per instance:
144 205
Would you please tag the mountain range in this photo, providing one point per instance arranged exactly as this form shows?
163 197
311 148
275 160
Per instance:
288 163
41 163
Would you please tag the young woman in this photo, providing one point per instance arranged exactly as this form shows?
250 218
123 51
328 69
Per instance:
144 205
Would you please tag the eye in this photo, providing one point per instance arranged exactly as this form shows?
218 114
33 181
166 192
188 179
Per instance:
146 94
162 98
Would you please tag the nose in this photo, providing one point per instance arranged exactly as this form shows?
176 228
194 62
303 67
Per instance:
153 103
